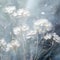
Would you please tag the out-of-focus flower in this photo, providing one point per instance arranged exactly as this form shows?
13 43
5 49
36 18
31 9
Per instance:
13 45
9 9
9 46
16 30
23 12
56 37
3 44
48 36
43 25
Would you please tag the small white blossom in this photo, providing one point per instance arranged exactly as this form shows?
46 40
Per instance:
43 25
2 44
16 30
10 9
13 45
56 37
9 46
48 36
23 12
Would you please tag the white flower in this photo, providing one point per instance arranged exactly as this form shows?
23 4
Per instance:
48 36
16 30
3 44
10 9
56 37
23 12
9 46
43 25
13 45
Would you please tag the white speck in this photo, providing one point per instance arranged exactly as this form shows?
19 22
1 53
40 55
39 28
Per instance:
42 13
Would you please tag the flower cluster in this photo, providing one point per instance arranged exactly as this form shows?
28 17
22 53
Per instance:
17 30
13 45
48 36
10 9
2 44
55 37
43 25
14 12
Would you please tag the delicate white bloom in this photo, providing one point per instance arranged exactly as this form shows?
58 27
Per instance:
23 12
16 30
9 46
48 36
43 25
26 13
20 12
13 45
56 37
3 44
10 9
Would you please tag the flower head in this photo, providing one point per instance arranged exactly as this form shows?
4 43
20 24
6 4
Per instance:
10 9
48 36
23 12
13 45
16 30
43 25
3 44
